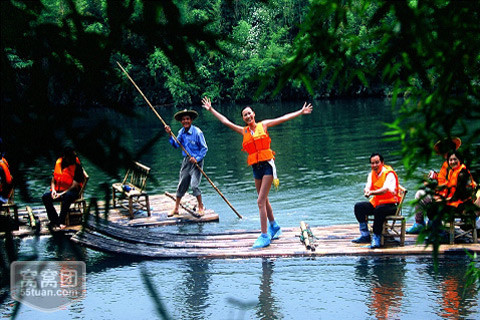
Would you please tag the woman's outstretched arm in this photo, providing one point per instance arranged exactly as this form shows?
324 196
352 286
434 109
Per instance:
207 104
306 109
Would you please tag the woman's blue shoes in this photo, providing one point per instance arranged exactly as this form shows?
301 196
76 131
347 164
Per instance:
416 228
262 241
274 230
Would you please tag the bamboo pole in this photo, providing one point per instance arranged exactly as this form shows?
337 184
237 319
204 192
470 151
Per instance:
304 233
178 142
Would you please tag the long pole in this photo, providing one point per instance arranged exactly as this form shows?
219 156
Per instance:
178 142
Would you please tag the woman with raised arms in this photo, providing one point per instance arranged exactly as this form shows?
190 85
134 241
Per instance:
256 142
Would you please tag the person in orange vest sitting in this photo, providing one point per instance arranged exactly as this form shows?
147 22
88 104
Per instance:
6 180
442 147
382 187
256 142
6 187
65 185
456 192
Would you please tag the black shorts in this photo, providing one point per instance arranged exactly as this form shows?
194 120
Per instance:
261 169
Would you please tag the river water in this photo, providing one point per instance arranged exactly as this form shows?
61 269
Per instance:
322 161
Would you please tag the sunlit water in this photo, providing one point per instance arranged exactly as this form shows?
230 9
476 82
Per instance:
322 162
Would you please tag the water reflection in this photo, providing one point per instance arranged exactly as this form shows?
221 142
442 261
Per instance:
455 300
267 307
384 278
195 289
189 228
63 249
343 288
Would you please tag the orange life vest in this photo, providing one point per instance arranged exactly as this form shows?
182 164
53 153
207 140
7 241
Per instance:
442 175
378 182
257 145
451 185
64 178
8 175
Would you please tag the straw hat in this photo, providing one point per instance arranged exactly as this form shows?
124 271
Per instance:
178 116
445 145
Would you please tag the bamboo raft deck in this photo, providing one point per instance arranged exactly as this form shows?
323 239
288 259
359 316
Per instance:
122 235
329 241
160 205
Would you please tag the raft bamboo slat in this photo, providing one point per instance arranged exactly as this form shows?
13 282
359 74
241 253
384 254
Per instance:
331 240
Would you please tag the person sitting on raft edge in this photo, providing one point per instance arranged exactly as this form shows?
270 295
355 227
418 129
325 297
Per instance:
256 142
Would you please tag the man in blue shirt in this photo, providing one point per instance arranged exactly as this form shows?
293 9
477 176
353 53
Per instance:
193 140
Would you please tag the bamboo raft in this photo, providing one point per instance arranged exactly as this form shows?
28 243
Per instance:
35 222
121 235
327 241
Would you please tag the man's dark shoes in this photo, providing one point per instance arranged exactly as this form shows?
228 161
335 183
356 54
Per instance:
362 239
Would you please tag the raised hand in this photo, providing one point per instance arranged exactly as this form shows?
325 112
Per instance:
206 103
307 108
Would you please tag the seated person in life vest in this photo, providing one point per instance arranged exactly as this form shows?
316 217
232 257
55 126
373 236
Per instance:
65 186
6 186
6 181
442 147
456 192
382 187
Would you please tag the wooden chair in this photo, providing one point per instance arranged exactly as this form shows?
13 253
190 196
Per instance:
78 207
10 206
466 221
132 189
390 225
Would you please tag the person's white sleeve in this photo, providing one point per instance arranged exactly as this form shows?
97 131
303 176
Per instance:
390 182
